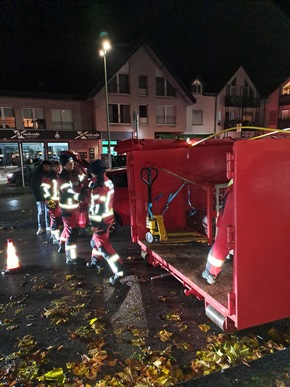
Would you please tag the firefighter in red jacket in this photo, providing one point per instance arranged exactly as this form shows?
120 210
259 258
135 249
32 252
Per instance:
220 249
50 191
71 190
101 215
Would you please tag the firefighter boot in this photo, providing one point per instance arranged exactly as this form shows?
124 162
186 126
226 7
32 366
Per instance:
116 278
61 248
70 256
210 278
55 237
94 263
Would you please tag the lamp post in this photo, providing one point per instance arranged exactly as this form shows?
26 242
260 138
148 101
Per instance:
106 46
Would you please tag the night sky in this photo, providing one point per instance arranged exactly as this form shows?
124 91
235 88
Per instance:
49 45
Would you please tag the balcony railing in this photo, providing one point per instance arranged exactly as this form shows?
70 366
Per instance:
240 101
234 123
62 125
283 123
284 99
163 120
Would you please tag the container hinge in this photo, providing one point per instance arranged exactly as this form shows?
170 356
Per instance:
230 165
231 304
231 237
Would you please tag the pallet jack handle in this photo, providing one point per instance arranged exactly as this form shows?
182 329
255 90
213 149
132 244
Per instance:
149 175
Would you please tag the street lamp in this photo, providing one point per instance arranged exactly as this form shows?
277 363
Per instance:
106 46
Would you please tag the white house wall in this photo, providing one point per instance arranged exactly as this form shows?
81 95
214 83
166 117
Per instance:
207 105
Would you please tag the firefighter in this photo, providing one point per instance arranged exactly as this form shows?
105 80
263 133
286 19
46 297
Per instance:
101 215
51 194
70 192
220 250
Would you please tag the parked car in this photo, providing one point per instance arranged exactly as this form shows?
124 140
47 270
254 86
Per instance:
15 177
121 200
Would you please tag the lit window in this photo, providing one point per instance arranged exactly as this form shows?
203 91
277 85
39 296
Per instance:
196 87
286 89
33 118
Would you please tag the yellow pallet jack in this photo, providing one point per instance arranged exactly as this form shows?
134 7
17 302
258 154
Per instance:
155 223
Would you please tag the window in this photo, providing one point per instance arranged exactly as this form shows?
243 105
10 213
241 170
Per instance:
164 87
233 87
166 115
62 119
105 147
119 114
7 118
54 149
219 117
286 89
143 115
119 84
197 117
143 87
33 118
196 87
285 114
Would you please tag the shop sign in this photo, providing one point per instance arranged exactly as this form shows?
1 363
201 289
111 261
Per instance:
14 134
86 135
23 134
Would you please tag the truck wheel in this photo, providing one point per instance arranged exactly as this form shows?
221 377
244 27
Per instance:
149 237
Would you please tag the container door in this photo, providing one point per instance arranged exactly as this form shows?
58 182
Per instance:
262 231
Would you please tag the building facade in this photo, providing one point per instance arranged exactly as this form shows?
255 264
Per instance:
238 102
145 100
277 107
37 127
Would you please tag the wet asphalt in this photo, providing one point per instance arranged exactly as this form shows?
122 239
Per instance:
29 299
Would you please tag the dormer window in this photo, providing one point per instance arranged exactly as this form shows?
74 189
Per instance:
196 87
286 89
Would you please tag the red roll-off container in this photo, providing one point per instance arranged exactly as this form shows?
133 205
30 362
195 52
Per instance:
253 288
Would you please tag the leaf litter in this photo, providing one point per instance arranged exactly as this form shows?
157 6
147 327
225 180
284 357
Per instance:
29 365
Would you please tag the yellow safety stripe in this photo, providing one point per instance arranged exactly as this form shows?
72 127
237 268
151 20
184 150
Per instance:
96 253
45 187
114 258
96 218
107 214
70 247
54 195
65 185
214 261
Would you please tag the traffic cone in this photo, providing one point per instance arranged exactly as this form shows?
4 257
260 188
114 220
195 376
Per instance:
13 265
